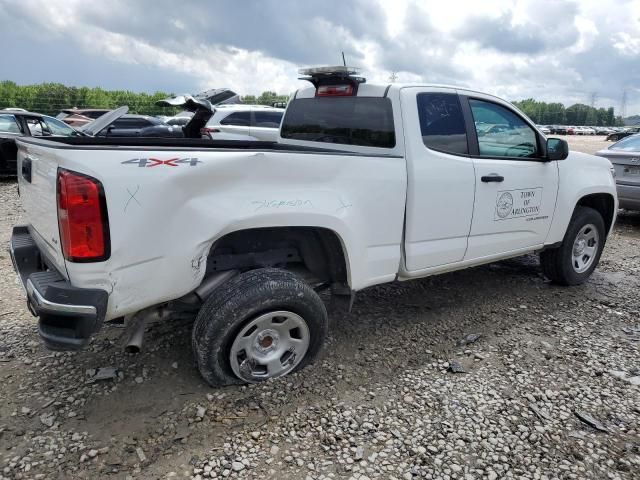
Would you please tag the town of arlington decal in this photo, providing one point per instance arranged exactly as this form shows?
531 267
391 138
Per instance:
518 203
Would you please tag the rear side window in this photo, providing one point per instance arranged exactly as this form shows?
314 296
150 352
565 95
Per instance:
442 122
239 119
9 124
363 121
267 119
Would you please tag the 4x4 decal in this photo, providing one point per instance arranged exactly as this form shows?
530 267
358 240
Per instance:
154 162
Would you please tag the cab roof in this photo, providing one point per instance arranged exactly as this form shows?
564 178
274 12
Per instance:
383 89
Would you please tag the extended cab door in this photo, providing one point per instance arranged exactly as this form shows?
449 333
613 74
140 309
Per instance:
516 187
441 180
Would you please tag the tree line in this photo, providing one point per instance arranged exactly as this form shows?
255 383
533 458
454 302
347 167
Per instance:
50 98
578 114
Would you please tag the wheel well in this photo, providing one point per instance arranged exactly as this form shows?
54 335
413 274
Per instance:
316 254
603 203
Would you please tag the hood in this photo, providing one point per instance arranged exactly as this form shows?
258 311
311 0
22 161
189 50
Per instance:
202 111
93 128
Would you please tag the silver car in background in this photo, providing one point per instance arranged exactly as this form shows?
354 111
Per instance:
625 157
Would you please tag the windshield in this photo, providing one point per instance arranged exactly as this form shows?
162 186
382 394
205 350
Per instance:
363 121
56 127
628 144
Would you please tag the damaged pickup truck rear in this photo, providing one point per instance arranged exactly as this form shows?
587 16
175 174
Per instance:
367 184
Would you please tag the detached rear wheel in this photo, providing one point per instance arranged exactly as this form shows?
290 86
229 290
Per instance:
577 257
261 324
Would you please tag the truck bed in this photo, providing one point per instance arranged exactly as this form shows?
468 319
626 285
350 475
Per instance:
169 200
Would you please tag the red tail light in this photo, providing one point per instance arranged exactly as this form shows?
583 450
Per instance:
82 218
334 91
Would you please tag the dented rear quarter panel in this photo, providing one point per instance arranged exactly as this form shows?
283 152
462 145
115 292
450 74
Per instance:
163 219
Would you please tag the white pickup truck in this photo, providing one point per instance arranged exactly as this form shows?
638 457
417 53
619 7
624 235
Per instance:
367 184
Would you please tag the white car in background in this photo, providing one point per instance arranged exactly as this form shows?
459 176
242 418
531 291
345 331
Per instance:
584 131
244 122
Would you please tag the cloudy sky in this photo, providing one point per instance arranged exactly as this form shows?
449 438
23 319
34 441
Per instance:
552 50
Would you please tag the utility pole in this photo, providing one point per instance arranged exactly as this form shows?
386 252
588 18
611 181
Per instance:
623 109
594 97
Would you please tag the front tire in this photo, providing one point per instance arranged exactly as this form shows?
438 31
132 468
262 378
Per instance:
577 257
260 324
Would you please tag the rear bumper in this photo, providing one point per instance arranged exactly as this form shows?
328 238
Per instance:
628 196
68 316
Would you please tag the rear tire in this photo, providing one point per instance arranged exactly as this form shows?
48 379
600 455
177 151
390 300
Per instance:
260 324
577 257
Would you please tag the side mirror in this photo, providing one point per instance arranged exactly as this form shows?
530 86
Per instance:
557 149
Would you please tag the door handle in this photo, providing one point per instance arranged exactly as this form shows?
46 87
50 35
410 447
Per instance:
26 169
492 177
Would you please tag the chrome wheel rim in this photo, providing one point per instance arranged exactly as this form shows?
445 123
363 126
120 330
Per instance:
269 346
585 248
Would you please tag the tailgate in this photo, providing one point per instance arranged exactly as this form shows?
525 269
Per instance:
37 178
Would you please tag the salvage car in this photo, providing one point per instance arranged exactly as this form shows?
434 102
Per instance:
137 126
367 184
244 122
15 123
625 157
117 123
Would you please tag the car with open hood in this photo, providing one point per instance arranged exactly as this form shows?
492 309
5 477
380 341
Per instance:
119 124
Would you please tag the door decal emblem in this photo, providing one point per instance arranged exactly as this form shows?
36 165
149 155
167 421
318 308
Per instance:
504 205
518 203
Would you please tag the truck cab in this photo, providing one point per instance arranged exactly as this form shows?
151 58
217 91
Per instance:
482 180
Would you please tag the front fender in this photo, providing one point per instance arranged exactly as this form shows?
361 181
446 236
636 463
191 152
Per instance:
580 175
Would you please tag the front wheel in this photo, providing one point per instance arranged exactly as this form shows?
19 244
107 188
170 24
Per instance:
577 257
258 325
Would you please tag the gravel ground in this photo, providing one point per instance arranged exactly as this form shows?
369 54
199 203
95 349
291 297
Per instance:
549 389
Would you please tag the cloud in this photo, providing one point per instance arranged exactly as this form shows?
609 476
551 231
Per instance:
553 50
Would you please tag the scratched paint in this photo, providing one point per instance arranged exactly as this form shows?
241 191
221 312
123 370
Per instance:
276 204
343 205
132 197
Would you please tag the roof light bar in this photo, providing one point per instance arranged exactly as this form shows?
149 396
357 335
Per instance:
336 70
332 75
